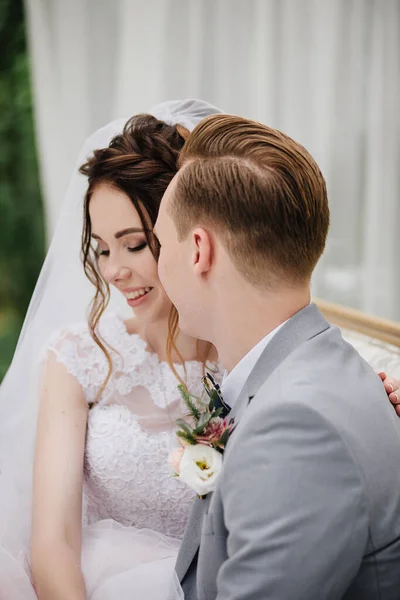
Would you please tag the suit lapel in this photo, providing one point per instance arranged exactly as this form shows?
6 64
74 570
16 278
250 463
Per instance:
303 326
191 539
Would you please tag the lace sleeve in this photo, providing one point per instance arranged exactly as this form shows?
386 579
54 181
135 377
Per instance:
76 350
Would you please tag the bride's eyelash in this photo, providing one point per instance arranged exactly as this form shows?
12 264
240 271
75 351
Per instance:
137 248
99 252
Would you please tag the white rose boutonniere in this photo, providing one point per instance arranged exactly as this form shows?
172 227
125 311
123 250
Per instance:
198 462
199 468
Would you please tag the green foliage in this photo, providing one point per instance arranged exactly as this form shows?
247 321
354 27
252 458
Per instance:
21 211
10 324
202 423
201 414
191 402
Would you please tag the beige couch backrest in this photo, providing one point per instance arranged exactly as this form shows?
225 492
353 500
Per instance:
377 340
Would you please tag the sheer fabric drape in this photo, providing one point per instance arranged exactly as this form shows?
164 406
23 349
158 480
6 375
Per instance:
325 71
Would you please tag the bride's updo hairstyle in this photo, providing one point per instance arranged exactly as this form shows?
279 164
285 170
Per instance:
141 162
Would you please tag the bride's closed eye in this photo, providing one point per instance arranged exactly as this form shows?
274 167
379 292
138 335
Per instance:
137 248
102 252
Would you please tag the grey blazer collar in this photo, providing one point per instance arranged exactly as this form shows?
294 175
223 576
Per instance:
303 326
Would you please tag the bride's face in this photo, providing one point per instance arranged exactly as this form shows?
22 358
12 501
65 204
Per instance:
124 257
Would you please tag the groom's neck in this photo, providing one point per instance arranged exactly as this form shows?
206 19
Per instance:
249 315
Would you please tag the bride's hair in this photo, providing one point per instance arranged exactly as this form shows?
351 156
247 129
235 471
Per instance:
141 162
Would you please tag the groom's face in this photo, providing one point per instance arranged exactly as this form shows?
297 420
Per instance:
175 267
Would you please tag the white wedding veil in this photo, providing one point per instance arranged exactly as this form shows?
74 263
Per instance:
61 297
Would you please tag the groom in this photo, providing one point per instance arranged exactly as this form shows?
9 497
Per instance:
307 505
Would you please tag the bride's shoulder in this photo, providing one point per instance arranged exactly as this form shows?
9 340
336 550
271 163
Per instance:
74 347
72 332
77 339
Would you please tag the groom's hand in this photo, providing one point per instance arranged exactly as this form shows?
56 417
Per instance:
392 388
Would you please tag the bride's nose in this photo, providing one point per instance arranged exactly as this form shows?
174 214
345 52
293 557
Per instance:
115 272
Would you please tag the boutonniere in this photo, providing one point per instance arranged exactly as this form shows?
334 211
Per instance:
203 438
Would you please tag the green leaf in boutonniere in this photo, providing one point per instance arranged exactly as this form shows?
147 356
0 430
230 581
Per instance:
186 437
185 432
224 438
187 398
202 423
185 426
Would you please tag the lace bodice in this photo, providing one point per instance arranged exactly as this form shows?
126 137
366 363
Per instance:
131 430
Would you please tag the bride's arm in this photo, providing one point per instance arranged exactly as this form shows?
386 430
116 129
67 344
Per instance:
57 490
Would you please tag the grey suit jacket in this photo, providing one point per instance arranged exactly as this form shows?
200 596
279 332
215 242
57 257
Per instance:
308 502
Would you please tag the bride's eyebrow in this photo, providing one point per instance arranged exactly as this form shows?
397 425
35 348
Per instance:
121 233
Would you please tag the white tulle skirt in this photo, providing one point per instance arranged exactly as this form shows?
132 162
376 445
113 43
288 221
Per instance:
118 563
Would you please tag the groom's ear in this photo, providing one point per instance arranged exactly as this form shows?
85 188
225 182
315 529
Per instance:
201 251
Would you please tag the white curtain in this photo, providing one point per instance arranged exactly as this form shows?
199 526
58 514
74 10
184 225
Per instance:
327 72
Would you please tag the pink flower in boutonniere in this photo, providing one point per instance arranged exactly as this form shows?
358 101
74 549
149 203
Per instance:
175 459
216 430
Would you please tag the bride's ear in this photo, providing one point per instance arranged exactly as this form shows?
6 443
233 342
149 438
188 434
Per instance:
201 251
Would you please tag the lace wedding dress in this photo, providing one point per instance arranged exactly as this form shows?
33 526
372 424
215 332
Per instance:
128 485
135 511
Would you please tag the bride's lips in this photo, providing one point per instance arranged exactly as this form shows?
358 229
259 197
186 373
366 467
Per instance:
139 299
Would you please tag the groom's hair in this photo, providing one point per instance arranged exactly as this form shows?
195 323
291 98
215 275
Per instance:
260 190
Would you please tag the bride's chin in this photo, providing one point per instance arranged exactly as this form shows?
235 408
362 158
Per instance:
153 311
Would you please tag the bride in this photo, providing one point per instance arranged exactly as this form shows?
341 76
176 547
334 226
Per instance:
108 398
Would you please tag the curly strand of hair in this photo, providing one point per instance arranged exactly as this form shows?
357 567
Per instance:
203 356
171 347
99 302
